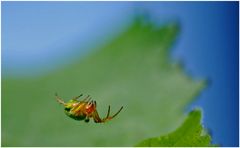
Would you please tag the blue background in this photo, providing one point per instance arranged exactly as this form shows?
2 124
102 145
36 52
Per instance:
39 37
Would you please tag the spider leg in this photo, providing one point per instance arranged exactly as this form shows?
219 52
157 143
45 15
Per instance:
90 103
111 117
75 98
87 99
95 104
117 113
60 100
95 115
97 119
108 112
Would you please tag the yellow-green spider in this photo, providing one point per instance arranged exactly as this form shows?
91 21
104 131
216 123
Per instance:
84 109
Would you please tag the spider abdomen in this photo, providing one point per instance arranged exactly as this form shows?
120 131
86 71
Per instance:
76 117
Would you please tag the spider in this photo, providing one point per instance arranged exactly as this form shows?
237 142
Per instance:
84 109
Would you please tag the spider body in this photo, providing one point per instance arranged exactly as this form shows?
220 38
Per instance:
84 109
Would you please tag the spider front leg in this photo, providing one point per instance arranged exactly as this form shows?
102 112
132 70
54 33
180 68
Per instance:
60 100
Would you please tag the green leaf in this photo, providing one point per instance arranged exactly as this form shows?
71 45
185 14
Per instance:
132 70
191 133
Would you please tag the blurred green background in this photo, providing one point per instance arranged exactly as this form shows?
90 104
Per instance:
131 71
